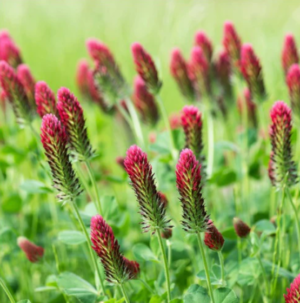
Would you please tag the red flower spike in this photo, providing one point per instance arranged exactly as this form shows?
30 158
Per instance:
289 54
54 139
179 71
293 82
271 171
281 156
213 239
82 77
251 108
191 120
175 121
118 269
145 67
163 198
252 72
199 72
231 42
3 99
15 93
205 44
145 102
223 72
71 114
28 82
106 62
152 208
44 99
32 251
293 292
189 185
9 52
241 228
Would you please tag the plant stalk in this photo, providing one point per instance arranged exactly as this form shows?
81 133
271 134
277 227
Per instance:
6 290
221 259
125 295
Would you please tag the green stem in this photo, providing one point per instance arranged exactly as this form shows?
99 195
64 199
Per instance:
92 177
263 271
124 293
205 267
167 124
165 264
6 290
296 218
135 122
210 134
221 259
92 255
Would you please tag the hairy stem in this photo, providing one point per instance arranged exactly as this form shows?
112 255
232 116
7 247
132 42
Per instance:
205 267
221 259
125 295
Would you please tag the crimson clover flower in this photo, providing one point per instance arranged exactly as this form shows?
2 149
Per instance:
245 102
252 72
118 269
9 52
231 43
145 102
223 73
293 293
191 120
15 93
145 67
179 71
54 139
189 185
32 251
199 72
44 99
28 82
205 44
280 132
293 82
289 55
213 239
241 228
71 115
152 206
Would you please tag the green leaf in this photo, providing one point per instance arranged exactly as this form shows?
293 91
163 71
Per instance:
143 253
223 177
24 301
225 295
265 226
35 187
196 294
249 271
74 286
156 299
71 237
12 204
229 233
215 275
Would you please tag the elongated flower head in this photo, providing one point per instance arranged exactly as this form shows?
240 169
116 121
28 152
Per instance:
189 185
280 133
199 72
252 72
54 139
241 228
152 208
104 59
3 100
289 55
179 71
205 44
191 120
145 102
145 67
82 76
293 293
28 82
245 102
271 170
231 42
213 239
9 52
293 82
45 99
118 269
15 93
32 251
71 115
223 72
